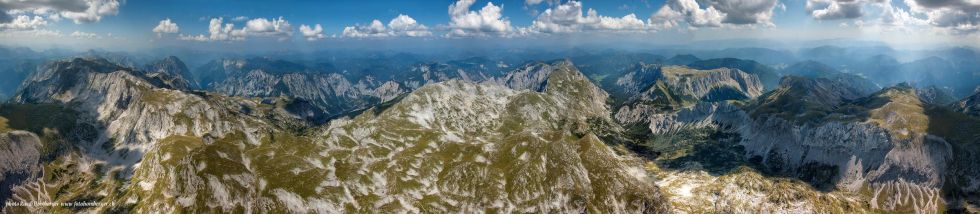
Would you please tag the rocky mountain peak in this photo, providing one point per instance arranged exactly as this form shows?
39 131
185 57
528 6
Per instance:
169 65
766 74
172 71
531 76
935 95
567 82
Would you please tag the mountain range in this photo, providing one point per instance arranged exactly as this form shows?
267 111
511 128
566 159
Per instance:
634 133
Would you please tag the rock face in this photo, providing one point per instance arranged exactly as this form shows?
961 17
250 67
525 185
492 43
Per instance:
532 76
935 95
890 150
673 87
131 110
807 129
337 93
766 74
331 92
172 71
969 105
474 69
711 85
19 161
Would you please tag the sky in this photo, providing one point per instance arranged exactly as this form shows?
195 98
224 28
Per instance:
308 24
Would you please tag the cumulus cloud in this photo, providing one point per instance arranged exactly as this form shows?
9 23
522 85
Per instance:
311 33
674 12
218 31
746 11
835 9
265 27
942 16
78 11
568 17
714 13
375 29
402 25
960 16
894 17
24 22
259 27
488 21
166 26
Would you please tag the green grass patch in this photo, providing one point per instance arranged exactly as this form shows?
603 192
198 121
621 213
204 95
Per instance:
36 117
49 121
715 150
3 125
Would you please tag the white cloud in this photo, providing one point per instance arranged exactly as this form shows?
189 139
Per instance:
84 35
265 27
375 29
24 22
898 18
240 18
835 9
78 11
311 33
402 25
935 16
742 12
166 26
218 31
488 21
259 27
96 9
568 17
675 11
957 16
714 13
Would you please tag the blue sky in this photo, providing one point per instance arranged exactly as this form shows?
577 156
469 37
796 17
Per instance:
334 15
136 24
